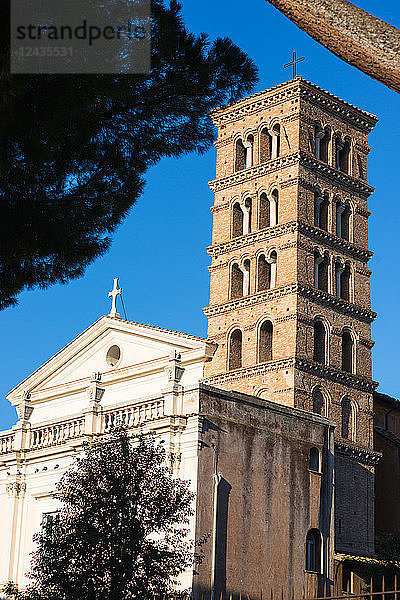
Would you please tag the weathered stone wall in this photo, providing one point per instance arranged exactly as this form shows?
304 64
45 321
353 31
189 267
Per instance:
268 498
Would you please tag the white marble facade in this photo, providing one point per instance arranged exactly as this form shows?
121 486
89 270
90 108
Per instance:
115 371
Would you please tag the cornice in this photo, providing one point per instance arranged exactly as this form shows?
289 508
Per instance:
300 88
337 375
320 297
302 158
329 239
223 141
361 454
255 172
254 103
246 372
340 108
251 300
251 238
328 172
317 296
322 371
334 242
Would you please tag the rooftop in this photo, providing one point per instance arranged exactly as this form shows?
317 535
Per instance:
311 87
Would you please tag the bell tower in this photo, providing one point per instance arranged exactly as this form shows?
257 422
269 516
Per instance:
290 302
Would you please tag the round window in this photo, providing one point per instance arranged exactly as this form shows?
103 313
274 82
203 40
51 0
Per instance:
113 355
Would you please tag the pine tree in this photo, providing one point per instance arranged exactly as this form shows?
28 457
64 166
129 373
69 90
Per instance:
75 148
120 533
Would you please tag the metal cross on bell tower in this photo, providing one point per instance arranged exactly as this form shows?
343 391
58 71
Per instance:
113 294
294 62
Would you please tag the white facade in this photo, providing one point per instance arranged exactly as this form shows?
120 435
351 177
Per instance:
78 394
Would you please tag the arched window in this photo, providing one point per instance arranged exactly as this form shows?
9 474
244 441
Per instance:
324 145
276 141
264 212
319 342
265 145
343 156
313 551
247 216
249 145
237 220
236 281
345 283
314 461
274 208
235 350
339 268
345 223
265 342
318 402
321 266
318 135
347 419
246 277
240 156
321 207
263 274
323 213
347 352
273 258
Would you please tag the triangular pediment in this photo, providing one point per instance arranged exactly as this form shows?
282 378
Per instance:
109 344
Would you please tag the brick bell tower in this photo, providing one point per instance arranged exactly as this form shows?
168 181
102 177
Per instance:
290 302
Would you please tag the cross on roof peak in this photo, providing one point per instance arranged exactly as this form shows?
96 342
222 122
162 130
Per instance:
113 294
294 62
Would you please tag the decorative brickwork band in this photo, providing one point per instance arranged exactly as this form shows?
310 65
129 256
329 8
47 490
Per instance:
302 158
317 296
307 366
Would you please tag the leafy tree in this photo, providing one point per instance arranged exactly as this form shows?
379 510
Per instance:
74 148
120 533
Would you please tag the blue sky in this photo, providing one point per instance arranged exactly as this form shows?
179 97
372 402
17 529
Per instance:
159 251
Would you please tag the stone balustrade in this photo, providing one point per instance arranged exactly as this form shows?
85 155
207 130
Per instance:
133 416
6 443
51 435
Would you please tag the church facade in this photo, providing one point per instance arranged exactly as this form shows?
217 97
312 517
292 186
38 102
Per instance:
271 417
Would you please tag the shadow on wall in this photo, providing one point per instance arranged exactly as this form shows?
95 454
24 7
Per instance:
224 489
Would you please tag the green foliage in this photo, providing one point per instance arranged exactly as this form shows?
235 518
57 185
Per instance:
121 529
74 148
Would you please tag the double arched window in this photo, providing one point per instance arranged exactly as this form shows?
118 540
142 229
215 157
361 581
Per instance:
343 219
321 209
241 217
265 338
314 551
235 350
320 342
270 143
348 419
266 271
342 153
237 220
318 402
321 270
347 352
240 279
268 210
322 139
244 153
342 280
